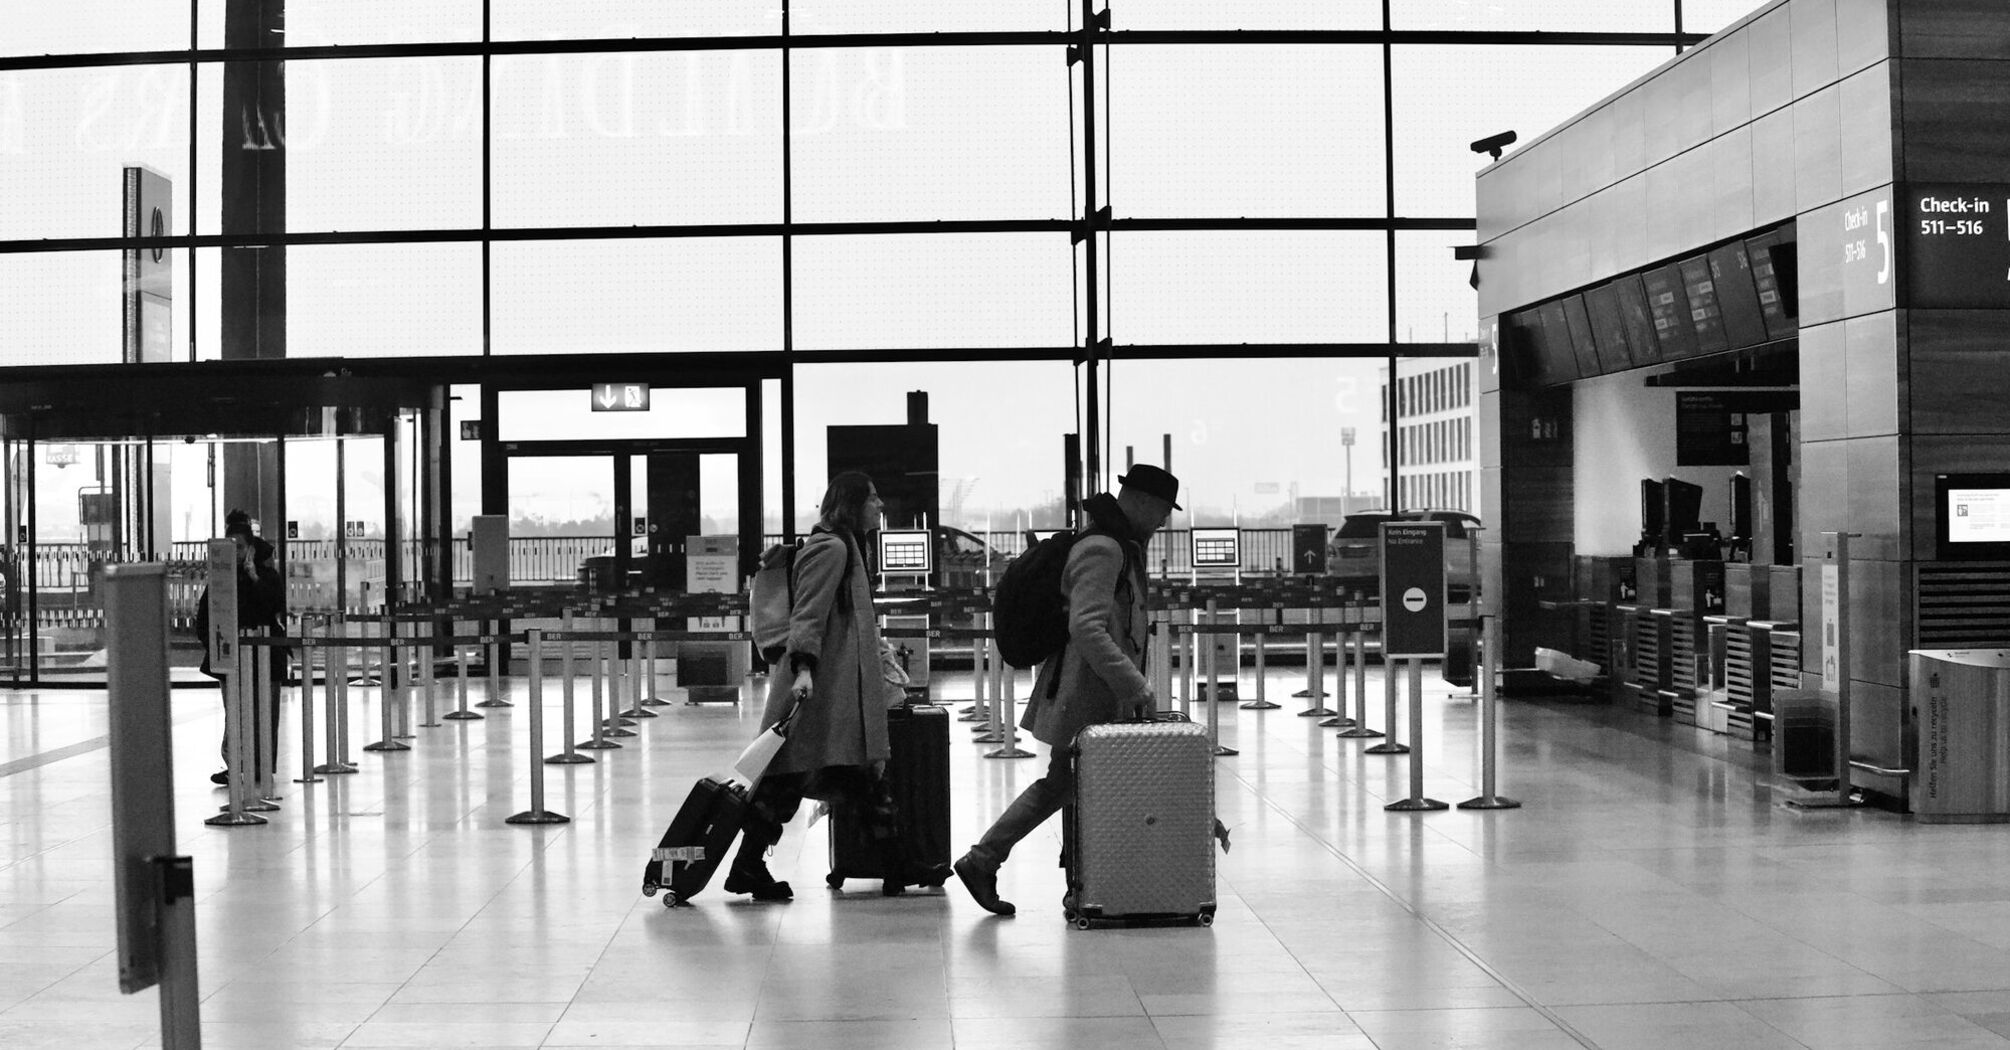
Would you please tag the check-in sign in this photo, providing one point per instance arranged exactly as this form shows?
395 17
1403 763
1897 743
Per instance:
1413 589
621 397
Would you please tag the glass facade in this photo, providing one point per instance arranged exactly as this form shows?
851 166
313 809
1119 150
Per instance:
668 185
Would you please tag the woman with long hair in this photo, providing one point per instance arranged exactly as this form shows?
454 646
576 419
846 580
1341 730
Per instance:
829 676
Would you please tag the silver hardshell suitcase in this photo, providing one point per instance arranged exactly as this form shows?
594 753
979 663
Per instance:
1140 841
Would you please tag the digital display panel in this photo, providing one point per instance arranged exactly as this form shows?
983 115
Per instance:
1700 288
1583 341
1972 516
1641 341
1768 253
1553 343
1217 548
905 552
1601 304
1737 297
1670 308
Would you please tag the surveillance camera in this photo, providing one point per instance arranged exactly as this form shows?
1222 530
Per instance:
188 439
1493 144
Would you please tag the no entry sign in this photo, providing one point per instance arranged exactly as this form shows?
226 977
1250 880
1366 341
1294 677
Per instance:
1413 589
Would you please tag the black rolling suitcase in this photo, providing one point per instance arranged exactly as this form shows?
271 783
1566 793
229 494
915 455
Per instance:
906 843
696 841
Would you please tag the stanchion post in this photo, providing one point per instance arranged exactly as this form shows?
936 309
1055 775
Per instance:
536 814
428 681
1214 686
994 710
1489 744
599 741
235 812
460 711
1388 746
398 680
265 738
1343 640
631 673
609 661
336 665
385 700
494 645
1357 640
1315 662
308 771
1416 803
1187 653
1262 646
570 756
1011 718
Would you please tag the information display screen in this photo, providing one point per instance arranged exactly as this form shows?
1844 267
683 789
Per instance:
1737 298
1609 327
1641 341
1705 316
1669 306
905 552
1583 338
1768 253
1217 548
1972 516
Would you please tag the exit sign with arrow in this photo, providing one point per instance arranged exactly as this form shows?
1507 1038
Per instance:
621 397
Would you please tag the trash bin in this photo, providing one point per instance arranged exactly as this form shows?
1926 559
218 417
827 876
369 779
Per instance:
1961 704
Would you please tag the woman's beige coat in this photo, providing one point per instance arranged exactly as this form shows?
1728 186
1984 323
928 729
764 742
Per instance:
843 723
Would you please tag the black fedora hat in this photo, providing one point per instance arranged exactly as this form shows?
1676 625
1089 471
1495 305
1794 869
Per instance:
1153 481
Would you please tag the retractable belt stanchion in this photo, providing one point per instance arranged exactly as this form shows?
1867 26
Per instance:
980 674
1262 645
335 664
236 811
631 671
1315 654
1213 686
536 814
1388 746
1357 640
1416 803
1187 652
265 738
993 684
1489 745
599 741
1342 638
494 645
398 677
1010 719
460 711
609 659
570 756
308 771
648 694
427 680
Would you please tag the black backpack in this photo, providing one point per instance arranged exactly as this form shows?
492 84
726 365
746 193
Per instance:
1030 614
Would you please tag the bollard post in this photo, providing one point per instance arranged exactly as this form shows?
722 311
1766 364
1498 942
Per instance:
1416 803
536 814
1214 688
307 768
1489 745
235 812
1388 746
1010 720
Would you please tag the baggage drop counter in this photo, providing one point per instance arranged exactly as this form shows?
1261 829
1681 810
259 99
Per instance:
1962 697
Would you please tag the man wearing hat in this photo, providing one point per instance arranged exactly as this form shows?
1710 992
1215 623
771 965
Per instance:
1098 676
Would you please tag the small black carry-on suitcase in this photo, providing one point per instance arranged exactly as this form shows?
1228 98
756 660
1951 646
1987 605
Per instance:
696 841
1140 834
906 843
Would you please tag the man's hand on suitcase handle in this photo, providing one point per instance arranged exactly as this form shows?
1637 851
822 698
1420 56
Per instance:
802 685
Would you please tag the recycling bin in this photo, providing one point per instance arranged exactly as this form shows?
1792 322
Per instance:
1961 704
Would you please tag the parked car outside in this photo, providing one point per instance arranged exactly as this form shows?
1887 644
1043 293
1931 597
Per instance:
1354 554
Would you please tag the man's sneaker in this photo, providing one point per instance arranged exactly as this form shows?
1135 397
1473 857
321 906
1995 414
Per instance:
220 777
980 877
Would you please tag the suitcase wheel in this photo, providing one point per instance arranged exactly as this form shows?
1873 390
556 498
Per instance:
1205 918
890 888
649 889
1081 922
834 881
670 899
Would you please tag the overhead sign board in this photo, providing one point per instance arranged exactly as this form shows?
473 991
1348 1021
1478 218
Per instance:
620 397
1308 549
1413 589
1957 245
905 552
1216 548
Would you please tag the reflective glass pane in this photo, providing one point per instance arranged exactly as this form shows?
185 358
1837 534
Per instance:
383 300
1257 468
1264 286
1434 301
1249 14
67 136
76 27
552 415
637 139
998 425
1586 16
1243 131
1711 16
610 19
316 23
555 297
62 308
930 290
930 16
1439 113
930 133
383 144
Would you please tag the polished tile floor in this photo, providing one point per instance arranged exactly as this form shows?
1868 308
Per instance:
1652 893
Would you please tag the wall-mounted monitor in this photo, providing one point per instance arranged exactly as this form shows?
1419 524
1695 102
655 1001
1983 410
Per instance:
1559 357
1608 327
1971 517
1217 548
1705 316
1669 305
905 552
1583 338
1641 342
1737 296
